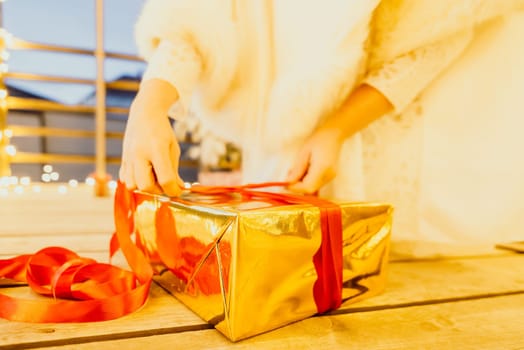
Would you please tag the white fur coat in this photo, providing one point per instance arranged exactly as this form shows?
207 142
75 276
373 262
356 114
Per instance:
210 51
268 95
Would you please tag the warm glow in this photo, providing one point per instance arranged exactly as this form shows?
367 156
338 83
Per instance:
46 177
8 133
8 37
47 168
4 55
25 180
10 150
90 181
13 180
73 183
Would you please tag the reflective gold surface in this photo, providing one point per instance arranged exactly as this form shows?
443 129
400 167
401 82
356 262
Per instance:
263 257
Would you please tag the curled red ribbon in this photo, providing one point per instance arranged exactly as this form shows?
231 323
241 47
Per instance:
84 290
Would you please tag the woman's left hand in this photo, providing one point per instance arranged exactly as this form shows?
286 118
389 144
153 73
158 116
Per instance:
317 161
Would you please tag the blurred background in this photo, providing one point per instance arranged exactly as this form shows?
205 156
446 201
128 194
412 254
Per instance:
65 90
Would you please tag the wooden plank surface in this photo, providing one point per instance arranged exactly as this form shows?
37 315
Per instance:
49 212
80 243
161 314
410 284
493 323
425 281
421 294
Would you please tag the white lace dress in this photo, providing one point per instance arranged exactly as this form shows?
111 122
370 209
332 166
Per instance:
452 162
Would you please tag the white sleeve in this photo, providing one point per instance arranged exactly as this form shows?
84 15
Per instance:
188 42
178 63
404 78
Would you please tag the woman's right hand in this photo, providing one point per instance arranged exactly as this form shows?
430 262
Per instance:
150 154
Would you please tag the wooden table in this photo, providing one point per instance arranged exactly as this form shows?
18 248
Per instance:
474 302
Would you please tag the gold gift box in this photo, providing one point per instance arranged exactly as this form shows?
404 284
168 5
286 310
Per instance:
247 265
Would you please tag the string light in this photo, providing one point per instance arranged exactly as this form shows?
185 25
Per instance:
22 185
90 181
7 37
55 176
112 185
10 150
8 133
4 181
47 168
25 181
13 180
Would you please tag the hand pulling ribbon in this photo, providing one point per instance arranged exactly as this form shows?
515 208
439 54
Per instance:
84 290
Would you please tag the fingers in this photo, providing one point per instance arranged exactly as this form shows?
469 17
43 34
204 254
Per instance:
315 178
145 177
121 173
165 164
299 169
127 176
175 156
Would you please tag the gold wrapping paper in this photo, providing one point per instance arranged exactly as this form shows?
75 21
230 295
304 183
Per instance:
258 259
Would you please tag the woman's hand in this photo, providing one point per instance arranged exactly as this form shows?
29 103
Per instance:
318 159
150 154
316 163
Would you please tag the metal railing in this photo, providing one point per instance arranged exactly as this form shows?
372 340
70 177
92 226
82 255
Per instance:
8 153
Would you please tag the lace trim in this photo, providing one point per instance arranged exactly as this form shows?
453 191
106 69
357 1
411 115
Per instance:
402 79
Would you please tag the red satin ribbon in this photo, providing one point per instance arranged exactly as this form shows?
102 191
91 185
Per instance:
88 291
84 290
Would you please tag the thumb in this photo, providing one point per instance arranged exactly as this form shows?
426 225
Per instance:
310 183
299 168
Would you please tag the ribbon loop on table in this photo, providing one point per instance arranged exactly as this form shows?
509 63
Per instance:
88 291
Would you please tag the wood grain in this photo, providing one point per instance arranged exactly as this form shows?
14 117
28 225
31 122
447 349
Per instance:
48 212
411 284
437 303
433 280
161 314
79 243
493 323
